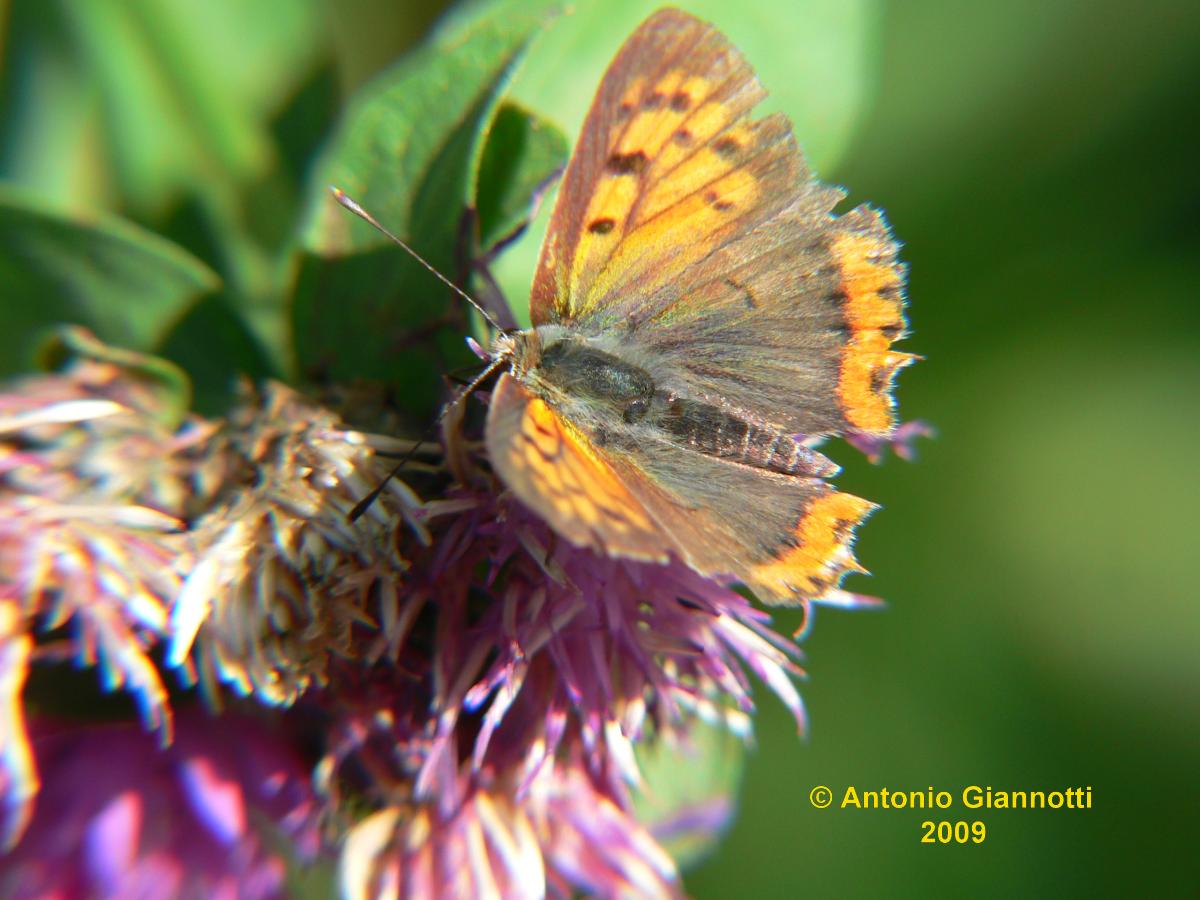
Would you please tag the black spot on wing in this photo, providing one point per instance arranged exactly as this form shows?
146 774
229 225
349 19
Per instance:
714 200
601 226
747 294
727 146
627 163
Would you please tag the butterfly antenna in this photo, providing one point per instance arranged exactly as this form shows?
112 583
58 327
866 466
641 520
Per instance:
364 504
352 205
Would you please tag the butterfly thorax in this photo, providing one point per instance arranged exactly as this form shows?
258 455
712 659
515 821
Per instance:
617 402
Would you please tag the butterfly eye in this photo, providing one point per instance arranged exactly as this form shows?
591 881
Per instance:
636 410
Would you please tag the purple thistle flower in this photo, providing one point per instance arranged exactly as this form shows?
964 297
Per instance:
18 772
512 652
603 644
200 818
457 647
473 686
900 441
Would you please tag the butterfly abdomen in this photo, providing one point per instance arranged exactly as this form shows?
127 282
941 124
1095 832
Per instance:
714 432
630 396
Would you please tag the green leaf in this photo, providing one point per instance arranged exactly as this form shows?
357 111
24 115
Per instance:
169 381
522 155
415 128
409 151
690 789
125 284
213 345
157 97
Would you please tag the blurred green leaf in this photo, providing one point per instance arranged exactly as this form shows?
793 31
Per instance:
160 96
127 285
409 151
690 789
301 127
213 345
166 111
522 154
415 129
170 381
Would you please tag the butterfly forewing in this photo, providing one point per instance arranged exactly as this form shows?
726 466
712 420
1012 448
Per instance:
682 213
667 167
557 471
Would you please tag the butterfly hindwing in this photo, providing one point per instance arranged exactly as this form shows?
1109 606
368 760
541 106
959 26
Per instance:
791 324
787 537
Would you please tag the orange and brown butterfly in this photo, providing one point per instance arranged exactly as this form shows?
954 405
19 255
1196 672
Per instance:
699 314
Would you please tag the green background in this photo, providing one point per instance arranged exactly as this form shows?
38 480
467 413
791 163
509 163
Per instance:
1039 162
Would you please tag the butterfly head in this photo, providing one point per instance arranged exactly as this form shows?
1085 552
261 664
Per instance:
520 350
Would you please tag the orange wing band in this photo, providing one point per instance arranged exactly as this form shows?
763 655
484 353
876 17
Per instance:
554 470
875 313
819 553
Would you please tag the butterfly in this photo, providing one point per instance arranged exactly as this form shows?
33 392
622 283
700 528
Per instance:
700 317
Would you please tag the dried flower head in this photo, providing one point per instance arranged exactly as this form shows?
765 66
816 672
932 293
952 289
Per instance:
94 494
282 577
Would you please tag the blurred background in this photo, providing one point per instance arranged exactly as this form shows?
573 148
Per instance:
1039 162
